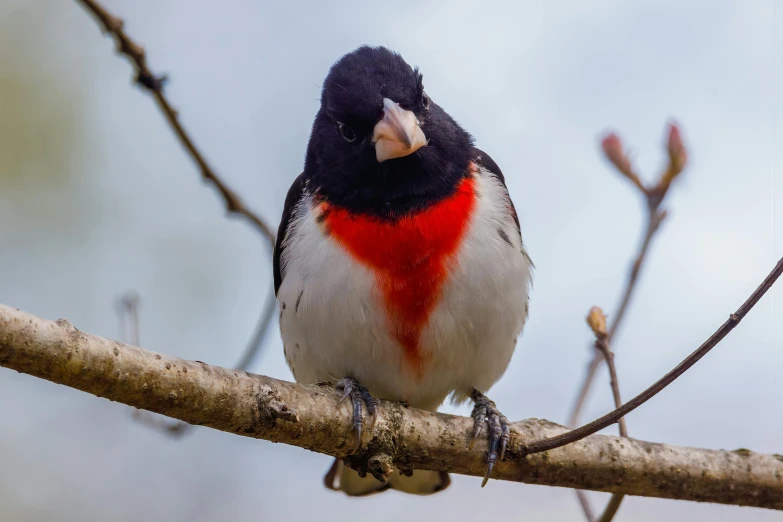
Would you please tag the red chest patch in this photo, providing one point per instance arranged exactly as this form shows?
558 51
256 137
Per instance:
409 258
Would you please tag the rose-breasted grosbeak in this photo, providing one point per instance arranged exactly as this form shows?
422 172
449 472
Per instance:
399 268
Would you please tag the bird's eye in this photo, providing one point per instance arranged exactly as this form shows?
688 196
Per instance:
425 101
346 132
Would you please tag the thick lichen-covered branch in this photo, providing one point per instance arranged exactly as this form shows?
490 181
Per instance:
311 417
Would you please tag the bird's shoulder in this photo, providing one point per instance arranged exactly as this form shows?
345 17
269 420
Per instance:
292 199
485 161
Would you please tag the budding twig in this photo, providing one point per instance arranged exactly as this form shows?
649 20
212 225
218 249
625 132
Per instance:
597 322
654 195
613 416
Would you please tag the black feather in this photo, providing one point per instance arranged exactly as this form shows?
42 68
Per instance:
292 198
347 173
483 159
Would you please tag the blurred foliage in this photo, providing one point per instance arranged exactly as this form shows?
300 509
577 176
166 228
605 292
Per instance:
42 136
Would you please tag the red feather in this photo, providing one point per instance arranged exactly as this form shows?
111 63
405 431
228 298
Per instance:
410 258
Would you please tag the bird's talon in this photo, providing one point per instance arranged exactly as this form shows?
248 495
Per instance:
485 412
504 437
358 394
487 474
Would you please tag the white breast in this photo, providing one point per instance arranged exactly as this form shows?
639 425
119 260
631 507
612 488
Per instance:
333 324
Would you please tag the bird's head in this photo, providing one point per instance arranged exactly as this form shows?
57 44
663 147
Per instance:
379 144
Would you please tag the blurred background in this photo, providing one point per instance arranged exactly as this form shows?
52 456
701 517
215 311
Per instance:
97 197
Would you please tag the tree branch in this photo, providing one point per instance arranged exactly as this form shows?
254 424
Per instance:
153 83
597 321
653 196
312 417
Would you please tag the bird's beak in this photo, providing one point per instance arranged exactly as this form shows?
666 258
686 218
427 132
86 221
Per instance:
397 134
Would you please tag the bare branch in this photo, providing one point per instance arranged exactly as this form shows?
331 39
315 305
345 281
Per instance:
654 219
584 502
611 508
654 196
613 416
128 314
597 322
312 417
154 84
233 204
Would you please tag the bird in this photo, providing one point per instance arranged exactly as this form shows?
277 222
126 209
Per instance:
399 267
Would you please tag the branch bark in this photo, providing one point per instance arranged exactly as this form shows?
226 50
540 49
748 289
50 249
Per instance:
311 417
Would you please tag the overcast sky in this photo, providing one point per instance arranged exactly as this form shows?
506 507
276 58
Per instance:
96 197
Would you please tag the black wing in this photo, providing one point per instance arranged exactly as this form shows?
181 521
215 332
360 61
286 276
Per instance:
488 163
293 197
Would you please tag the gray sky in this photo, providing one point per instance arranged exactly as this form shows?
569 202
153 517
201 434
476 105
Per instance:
97 197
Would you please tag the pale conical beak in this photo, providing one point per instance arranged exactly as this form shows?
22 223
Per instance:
397 134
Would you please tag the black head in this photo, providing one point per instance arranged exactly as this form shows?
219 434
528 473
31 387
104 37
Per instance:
379 145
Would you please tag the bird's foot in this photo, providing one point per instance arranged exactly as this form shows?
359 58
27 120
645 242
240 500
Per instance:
485 412
358 394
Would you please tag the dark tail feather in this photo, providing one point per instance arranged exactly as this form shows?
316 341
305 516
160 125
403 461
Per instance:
342 478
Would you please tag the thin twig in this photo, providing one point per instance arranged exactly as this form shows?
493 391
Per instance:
597 322
611 507
154 84
654 220
615 415
654 197
234 205
602 344
128 313
584 502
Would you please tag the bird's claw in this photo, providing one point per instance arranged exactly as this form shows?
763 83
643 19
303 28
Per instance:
358 394
486 412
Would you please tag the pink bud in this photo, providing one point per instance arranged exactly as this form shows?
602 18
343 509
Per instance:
613 149
678 156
